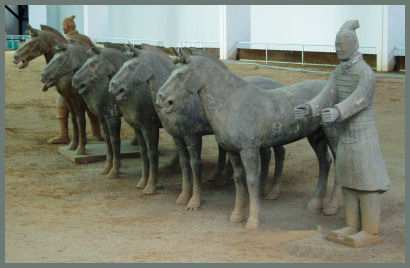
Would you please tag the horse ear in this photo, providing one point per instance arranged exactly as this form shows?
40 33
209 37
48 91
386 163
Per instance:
32 31
61 47
132 51
186 58
93 51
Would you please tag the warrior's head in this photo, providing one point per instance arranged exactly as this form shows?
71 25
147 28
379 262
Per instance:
346 40
69 24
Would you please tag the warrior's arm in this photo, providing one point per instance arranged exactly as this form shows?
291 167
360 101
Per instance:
361 97
326 97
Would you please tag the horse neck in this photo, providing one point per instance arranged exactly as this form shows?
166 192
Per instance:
219 84
162 69
49 55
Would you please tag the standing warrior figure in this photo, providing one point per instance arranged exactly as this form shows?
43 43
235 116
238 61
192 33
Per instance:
61 105
359 165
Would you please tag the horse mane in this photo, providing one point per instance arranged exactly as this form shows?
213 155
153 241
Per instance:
220 67
58 35
199 52
120 47
154 49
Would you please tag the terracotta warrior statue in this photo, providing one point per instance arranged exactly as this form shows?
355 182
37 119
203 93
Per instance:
61 104
359 165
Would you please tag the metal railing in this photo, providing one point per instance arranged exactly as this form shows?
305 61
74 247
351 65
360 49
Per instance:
298 48
18 37
199 44
127 40
399 51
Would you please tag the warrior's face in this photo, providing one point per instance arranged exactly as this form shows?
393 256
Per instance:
68 26
346 45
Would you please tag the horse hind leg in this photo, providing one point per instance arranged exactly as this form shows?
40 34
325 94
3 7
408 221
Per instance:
217 176
332 207
274 191
319 145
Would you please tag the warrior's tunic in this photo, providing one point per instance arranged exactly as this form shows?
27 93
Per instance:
359 162
80 37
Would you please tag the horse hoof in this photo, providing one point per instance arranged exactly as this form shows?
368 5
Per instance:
114 174
141 184
80 151
330 210
58 140
237 217
149 189
106 169
314 204
193 204
272 195
72 146
183 198
252 223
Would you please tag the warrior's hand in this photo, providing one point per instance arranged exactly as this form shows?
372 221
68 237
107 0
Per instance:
302 111
329 115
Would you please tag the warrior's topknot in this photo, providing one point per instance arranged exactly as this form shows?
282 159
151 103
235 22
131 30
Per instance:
350 25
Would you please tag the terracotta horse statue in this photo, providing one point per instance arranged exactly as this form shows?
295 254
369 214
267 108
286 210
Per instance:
43 42
246 119
149 69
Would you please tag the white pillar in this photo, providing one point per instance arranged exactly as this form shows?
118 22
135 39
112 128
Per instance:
234 27
37 15
96 21
385 55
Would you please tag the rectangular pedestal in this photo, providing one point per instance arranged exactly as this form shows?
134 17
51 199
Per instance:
98 152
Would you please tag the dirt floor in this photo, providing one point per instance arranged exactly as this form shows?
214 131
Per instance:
57 211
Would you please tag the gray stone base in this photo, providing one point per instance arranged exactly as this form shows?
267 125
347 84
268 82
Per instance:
98 152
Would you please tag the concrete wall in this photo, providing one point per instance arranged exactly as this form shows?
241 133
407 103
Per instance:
396 24
37 15
56 14
12 23
312 24
171 24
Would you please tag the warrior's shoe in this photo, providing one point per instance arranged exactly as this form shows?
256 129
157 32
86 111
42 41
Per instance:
362 239
339 234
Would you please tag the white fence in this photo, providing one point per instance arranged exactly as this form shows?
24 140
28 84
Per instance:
18 37
197 44
399 51
132 41
297 47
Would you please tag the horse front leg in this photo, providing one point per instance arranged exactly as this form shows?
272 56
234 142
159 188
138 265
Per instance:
151 137
251 160
183 155
145 162
74 141
108 161
238 213
194 145
82 141
114 126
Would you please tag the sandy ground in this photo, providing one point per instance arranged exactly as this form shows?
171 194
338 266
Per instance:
57 211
